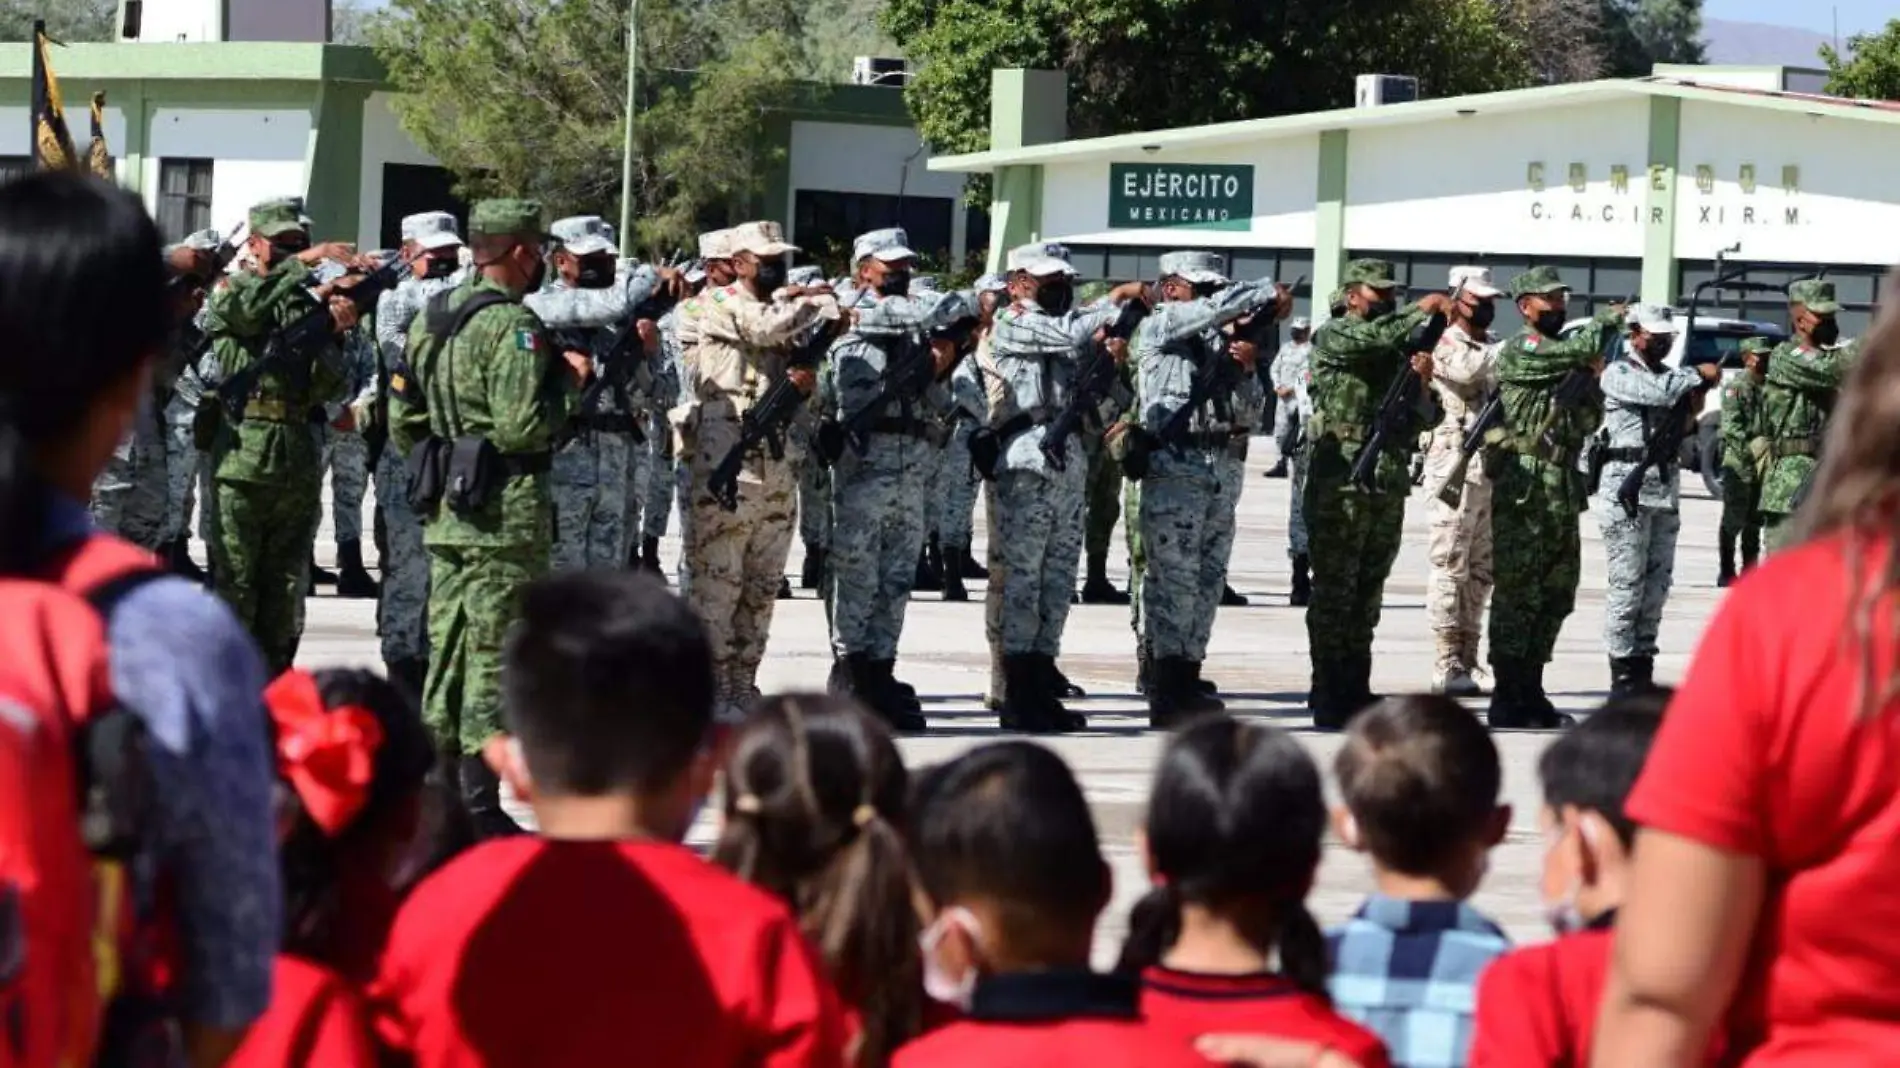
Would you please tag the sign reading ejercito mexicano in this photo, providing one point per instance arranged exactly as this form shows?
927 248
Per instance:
1195 196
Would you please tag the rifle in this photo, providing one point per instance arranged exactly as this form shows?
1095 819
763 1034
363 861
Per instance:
906 377
192 340
765 422
1394 416
304 335
618 363
1092 381
1659 449
1490 417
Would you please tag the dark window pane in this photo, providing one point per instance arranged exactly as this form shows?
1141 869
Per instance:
825 223
184 197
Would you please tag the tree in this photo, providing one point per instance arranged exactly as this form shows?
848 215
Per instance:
70 21
1638 34
349 22
1131 68
1870 70
526 98
1563 38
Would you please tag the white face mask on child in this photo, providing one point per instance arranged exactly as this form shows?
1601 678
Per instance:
939 984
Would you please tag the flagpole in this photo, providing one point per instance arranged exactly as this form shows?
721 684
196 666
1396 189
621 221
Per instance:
34 104
626 151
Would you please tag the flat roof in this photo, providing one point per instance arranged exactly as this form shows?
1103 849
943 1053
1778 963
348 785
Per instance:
1512 100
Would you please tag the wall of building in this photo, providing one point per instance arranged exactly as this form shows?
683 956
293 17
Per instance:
1124 201
879 163
258 154
177 20
384 142
15 124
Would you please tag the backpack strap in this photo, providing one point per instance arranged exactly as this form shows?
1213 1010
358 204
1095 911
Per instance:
444 324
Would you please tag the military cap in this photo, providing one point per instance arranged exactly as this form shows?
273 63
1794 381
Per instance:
431 230
1337 299
1537 282
715 245
202 241
1374 273
1040 259
1300 323
888 245
1651 318
1197 268
583 235
1814 294
506 218
1756 344
991 283
761 239
809 275
274 218
1473 280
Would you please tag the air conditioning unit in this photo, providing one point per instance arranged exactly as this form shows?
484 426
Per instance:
879 70
1373 90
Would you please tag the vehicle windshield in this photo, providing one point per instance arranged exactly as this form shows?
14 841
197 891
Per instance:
1707 346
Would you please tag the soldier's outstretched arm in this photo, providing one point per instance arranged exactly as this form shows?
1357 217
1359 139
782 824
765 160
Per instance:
1546 362
760 325
586 309
520 364
244 307
1350 344
1178 320
1823 372
1635 387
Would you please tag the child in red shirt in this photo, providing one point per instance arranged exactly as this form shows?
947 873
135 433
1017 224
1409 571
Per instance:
1233 842
352 755
1538 1005
815 808
602 938
1006 851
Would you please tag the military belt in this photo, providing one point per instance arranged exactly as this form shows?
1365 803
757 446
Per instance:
1022 421
1781 448
1350 433
1558 454
269 411
892 424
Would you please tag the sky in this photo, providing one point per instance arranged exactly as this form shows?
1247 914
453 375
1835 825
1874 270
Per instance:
1857 16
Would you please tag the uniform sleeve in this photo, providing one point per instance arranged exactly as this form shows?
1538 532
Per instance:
756 324
1518 1021
587 309
1738 410
1634 387
1465 367
1550 359
1028 334
525 408
801 1022
1353 345
1705 776
243 308
395 310
1823 373
1178 320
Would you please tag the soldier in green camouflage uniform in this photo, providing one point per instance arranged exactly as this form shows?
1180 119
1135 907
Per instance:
1741 483
495 378
1355 534
1538 491
264 454
1805 374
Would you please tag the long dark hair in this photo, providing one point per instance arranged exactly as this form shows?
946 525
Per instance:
1234 822
82 305
815 794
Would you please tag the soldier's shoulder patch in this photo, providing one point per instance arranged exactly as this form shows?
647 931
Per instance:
527 339
1531 340
719 295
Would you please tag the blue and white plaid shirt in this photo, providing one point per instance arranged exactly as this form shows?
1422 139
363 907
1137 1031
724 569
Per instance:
1408 970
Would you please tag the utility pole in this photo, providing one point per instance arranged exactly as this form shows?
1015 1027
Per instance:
626 152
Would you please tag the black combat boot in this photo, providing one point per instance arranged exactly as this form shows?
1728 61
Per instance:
1725 568
410 675
1623 678
1097 589
352 579
784 589
1173 700
842 681
650 556
1056 687
1302 594
929 569
178 559
1231 598
1025 705
903 693
812 574
1330 707
1058 684
972 569
1278 470
951 568
318 576
481 796
1144 668
1518 701
895 702
1205 686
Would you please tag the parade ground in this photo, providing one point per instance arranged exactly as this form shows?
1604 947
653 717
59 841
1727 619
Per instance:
1258 655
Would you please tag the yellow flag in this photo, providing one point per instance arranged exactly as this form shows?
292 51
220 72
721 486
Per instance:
52 145
98 159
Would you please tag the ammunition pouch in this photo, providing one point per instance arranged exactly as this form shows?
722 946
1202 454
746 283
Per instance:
1137 452
1595 458
988 443
428 470
207 423
828 443
272 411
476 472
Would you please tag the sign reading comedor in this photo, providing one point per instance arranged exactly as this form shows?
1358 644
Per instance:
1205 196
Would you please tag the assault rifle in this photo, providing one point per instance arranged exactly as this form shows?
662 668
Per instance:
1394 418
618 364
1659 450
1092 381
765 422
1490 417
908 372
291 348
193 341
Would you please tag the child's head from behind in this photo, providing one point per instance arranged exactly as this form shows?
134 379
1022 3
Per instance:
1420 777
607 686
815 796
1233 832
352 756
1587 776
1005 847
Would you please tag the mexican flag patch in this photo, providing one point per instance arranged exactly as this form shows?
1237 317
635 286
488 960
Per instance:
527 340
1531 342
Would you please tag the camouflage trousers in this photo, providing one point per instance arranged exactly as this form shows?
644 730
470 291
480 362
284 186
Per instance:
1137 555
183 466
1104 499
1538 559
1355 539
661 472
952 495
589 488
814 502
877 501
993 594
1296 543
261 557
1039 518
129 497
640 474
473 599
1186 534
1741 515
1459 545
402 608
1640 555
346 458
736 561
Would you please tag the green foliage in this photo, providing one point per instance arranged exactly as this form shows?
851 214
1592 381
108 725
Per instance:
1871 68
69 21
1638 34
1131 67
528 99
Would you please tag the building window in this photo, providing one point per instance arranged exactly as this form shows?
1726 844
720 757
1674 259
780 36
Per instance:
412 188
129 27
12 167
184 197
825 223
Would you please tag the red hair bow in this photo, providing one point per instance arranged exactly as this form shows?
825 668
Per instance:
327 755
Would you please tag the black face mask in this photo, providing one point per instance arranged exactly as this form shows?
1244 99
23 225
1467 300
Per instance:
771 276
594 272
439 266
1381 308
281 251
1204 290
1483 315
895 284
1056 298
539 276
1549 322
1826 331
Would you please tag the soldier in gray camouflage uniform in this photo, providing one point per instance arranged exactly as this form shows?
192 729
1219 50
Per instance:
402 609
1037 344
1639 396
814 481
180 406
879 484
1292 375
955 488
1190 481
345 456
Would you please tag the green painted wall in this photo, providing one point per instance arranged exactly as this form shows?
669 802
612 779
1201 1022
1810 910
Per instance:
1329 220
1659 200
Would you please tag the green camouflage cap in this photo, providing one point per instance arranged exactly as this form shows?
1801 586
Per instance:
1814 294
506 218
1756 344
1337 300
1536 282
1375 273
275 217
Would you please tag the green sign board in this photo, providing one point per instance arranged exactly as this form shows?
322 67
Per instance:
1180 196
